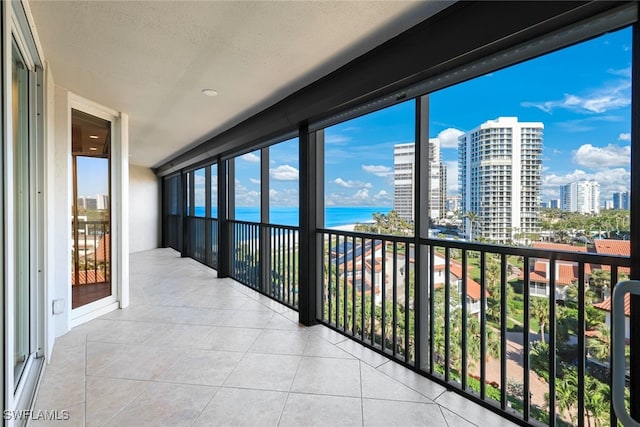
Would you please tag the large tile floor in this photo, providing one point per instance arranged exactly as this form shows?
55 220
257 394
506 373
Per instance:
195 350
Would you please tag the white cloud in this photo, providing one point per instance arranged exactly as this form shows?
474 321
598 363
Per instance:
284 197
383 197
378 170
362 194
613 96
251 158
611 180
449 137
602 157
623 72
588 124
336 139
351 184
254 181
624 137
284 173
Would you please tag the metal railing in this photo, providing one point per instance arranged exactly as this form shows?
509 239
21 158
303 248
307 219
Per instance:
91 252
265 258
474 319
202 236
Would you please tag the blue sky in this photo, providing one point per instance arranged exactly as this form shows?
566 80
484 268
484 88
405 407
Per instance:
581 94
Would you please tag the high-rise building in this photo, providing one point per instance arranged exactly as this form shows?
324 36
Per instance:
621 200
554 203
102 201
499 165
404 180
453 204
581 196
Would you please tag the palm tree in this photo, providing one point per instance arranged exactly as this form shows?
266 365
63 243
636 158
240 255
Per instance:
539 310
600 346
567 394
599 279
596 401
473 219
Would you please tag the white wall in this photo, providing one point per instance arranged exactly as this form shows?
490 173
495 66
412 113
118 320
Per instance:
59 207
144 209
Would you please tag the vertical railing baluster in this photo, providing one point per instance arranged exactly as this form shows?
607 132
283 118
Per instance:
395 299
407 301
372 323
581 342
552 341
383 291
447 313
363 276
525 340
432 306
483 324
463 300
503 331
353 284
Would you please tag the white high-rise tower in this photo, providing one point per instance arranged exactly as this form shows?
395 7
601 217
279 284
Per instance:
500 163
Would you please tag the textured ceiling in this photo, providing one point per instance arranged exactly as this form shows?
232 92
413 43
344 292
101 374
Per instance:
152 59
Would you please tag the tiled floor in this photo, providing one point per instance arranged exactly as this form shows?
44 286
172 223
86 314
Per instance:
196 350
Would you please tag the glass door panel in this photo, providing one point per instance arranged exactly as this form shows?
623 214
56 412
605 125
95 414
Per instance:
91 213
20 96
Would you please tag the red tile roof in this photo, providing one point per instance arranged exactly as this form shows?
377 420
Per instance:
559 247
474 290
613 247
606 305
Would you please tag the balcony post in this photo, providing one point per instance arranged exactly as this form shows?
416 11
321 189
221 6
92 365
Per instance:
224 243
265 235
635 225
421 211
184 223
311 218
208 259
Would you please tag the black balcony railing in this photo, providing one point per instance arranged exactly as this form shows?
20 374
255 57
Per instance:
265 258
508 327
91 258
521 330
202 236
173 231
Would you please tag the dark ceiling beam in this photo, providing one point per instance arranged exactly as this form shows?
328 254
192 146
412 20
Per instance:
458 35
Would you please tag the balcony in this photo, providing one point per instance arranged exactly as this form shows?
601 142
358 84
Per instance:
196 350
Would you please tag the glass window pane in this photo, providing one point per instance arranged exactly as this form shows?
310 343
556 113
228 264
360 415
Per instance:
369 166
247 187
284 183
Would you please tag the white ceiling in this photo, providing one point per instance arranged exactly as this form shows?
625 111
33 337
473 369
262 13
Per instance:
152 59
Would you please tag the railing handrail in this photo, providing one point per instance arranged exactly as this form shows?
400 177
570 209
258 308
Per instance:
617 349
264 224
552 254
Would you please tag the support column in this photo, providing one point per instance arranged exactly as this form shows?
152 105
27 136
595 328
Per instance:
311 218
421 222
635 224
224 244
265 234
184 223
208 260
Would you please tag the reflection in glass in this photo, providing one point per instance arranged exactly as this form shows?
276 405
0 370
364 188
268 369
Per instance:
91 263
20 81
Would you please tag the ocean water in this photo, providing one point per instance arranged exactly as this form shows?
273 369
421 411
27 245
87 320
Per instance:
335 216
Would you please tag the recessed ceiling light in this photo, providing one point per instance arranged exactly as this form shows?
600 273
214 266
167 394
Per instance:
209 92
94 136
93 149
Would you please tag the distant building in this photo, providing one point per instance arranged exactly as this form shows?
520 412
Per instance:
554 203
102 201
582 196
88 203
621 200
404 181
500 163
453 204
608 204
